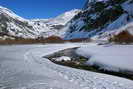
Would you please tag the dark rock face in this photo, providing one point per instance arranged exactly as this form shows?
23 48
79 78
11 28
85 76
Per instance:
98 15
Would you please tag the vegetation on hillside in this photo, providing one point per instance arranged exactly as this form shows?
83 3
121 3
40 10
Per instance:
122 37
51 39
98 15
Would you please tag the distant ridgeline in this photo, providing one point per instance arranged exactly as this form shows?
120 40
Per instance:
13 26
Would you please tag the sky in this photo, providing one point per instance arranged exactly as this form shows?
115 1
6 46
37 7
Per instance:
43 9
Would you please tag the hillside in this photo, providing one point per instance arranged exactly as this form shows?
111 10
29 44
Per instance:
13 26
98 20
101 19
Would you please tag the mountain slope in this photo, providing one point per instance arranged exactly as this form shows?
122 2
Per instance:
99 19
100 16
13 26
55 25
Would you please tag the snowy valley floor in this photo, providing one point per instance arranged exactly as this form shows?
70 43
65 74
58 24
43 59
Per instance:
23 67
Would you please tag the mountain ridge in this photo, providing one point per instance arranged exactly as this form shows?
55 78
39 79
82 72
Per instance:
12 25
98 19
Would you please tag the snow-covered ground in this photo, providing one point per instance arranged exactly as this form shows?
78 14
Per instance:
22 67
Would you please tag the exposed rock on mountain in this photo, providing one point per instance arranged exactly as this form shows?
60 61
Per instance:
100 17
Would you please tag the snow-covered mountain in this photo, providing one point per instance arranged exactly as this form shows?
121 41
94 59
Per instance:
55 25
101 18
12 25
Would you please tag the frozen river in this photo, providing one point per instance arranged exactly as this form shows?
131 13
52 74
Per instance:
22 67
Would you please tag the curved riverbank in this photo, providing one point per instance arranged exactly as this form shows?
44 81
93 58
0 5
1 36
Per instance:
79 62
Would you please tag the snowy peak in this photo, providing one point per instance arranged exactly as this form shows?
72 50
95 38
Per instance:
54 26
12 25
5 10
10 13
64 18
61 19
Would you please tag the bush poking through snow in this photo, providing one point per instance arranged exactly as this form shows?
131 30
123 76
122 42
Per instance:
80 40
54 39
122 37
5 39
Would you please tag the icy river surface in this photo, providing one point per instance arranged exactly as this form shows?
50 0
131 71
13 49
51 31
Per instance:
23 67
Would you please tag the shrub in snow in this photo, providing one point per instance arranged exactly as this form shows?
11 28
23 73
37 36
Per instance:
80 40
54 39
122 37
20 40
